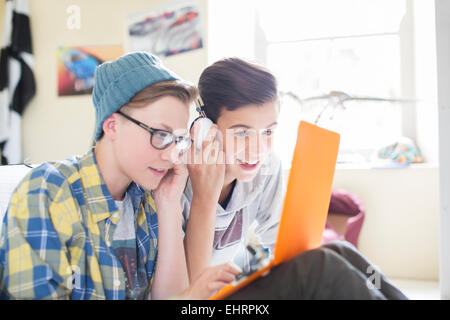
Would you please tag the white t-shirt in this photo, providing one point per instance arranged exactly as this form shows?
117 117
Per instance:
259 200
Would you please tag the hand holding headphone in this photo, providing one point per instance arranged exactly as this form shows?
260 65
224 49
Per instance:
203 127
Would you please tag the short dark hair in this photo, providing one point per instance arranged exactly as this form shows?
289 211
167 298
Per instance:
232 83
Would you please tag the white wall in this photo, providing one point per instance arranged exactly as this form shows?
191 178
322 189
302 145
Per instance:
56 127
400 233
2 13
443 67
237 39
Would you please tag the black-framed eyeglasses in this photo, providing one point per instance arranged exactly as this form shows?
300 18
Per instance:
162 139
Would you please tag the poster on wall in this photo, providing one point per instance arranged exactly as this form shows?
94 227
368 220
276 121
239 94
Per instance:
165 31
76 66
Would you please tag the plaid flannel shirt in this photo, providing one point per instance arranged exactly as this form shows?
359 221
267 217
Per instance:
58 230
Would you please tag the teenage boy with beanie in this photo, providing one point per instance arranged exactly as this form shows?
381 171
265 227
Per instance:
93 226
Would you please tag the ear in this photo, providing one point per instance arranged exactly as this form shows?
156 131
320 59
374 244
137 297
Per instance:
110 126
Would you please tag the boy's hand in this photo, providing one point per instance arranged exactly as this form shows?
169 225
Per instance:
210 281
169 191
207 166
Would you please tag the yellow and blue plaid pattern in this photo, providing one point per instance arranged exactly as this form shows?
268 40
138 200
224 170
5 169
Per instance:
57 234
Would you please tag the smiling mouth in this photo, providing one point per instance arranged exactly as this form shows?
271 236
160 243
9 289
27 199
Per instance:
248 165
158 172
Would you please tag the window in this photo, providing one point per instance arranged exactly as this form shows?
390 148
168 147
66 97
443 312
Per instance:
357 47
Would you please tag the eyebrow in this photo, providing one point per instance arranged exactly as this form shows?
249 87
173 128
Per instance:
247 127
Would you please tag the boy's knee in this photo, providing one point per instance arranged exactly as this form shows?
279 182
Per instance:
312 255
321 256
339 245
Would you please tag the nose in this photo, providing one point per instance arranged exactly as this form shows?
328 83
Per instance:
170 154
256 147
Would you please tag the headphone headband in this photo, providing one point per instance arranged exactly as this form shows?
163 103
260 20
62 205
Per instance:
200 107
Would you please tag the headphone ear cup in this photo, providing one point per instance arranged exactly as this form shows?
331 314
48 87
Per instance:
193 122
204 126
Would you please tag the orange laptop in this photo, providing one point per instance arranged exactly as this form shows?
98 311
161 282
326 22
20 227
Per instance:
306 201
